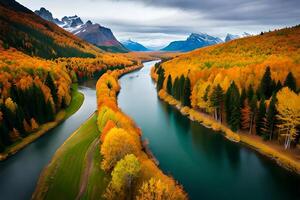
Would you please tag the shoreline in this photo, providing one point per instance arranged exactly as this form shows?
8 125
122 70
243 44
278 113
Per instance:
60 117
49 170
283 160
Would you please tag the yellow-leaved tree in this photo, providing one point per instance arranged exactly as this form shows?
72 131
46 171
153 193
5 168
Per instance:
288 108
155 189
117 143
124 178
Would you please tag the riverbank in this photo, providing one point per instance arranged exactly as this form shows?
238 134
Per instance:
76 102
285 160
74 170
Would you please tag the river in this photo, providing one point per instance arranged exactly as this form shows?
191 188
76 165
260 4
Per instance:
204 162
19 173
208 165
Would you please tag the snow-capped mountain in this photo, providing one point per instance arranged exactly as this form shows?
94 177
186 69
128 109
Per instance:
134 46
194 41
47 15
230 37
92 33
71 23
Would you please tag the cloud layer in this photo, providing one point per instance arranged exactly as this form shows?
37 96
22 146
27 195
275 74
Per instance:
157 22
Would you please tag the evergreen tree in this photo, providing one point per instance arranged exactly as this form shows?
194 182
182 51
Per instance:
50 83
253 110
187 92
175 88
4 133
271 117
278 86
250 92
243 98
233 107
161 78
216 99
19 121
169 84
49 113
181 88
290 82
266 84
261 114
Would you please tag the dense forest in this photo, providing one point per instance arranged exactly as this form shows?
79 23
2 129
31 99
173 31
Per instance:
254 88
32 91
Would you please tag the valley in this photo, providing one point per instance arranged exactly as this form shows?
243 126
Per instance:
167 100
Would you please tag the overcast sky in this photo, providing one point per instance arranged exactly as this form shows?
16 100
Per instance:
157 22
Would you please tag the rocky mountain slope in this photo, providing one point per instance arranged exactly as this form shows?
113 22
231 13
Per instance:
93 33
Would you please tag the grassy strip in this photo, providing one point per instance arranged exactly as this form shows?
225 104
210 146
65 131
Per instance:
62 177
94 189
77 100
284 160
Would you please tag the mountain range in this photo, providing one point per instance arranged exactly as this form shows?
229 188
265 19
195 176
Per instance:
194 41
24 30
134 46
230 37
91 32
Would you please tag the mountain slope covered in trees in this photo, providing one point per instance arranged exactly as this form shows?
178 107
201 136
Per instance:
249 84
22 29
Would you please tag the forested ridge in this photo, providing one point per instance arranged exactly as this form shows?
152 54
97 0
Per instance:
249 84
22 29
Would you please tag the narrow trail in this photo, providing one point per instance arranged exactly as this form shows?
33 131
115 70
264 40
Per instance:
88 166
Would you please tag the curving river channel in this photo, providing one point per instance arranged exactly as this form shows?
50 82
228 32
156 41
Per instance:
208 165
19 173
205 163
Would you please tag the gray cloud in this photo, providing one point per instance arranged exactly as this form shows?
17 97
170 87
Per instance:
158 22
259 11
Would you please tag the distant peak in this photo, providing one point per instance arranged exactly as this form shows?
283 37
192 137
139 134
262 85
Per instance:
89 22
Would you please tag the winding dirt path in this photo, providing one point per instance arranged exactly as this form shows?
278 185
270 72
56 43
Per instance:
88 166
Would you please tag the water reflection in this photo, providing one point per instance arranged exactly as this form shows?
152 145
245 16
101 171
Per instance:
19 173
208 165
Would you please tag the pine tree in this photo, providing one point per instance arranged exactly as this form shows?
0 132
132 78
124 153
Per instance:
161 78
278 86
290 82
261 114
250 92
4 133
175 88
266 84
253 110
187 92
216 99
271 117
50 83
233 107
243 97
181 88
169 84
49 113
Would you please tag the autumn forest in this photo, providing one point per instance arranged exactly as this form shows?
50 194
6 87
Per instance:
86 116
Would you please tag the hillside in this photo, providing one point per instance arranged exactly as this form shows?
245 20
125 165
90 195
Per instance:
22 29
243 60
250 85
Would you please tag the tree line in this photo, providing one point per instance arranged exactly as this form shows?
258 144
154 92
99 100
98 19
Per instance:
263 111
